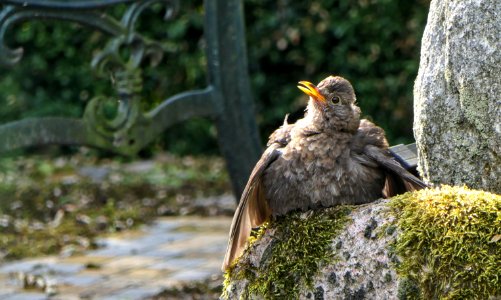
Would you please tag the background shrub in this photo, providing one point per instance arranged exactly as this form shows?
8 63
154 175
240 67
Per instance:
373 43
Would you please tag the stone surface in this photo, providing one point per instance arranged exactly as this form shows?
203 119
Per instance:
130 265
363 263
457 95
440 243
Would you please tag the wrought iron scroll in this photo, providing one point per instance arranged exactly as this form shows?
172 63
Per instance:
130 128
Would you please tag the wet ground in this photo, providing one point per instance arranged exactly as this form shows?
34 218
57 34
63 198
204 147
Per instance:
140 264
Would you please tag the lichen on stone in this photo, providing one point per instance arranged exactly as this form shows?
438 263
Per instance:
301 244
449 243
440 243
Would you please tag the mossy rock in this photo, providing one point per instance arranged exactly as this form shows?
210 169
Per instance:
432 244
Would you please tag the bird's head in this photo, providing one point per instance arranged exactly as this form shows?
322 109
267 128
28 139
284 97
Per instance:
332 103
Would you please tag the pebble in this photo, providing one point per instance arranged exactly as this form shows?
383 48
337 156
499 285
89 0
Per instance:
129 265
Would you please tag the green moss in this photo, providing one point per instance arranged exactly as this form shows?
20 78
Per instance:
301 245
408 290
93 266
47 205
28 241
257 234
449 243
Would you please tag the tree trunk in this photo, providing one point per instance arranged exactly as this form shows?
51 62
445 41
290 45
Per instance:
457 102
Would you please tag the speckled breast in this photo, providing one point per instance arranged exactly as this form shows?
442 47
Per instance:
317 172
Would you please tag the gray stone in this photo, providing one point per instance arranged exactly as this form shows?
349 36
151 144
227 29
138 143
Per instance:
6 291
141 166
218 205
24 266
96 174
192 275
162 253
363 274
28 296
80 279
129 266
62 268
457 95
180 264
134 293
121 247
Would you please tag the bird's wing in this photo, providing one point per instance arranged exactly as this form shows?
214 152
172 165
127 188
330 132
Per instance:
371 145
252 209
398 179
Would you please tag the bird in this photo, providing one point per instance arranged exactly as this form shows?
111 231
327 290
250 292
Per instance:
329 157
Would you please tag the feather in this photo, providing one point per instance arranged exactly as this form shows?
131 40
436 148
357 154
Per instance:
398 179
252 210
329 157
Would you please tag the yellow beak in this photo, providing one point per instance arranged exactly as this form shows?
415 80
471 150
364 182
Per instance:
311 90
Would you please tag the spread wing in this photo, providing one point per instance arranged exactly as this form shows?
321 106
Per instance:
371 144
253 209
398 179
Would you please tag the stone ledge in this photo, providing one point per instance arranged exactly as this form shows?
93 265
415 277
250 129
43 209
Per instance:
377 254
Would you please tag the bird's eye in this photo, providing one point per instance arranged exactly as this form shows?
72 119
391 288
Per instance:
335 100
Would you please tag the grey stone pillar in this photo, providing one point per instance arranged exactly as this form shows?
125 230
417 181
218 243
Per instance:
457 95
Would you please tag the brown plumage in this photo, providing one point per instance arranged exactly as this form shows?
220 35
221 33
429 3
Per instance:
329 157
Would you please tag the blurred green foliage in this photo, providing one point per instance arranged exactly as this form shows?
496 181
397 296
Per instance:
373 43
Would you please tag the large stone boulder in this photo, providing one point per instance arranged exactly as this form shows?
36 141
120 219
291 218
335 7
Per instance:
431 244
457 95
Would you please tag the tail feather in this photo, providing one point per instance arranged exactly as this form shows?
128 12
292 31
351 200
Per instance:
395 184
239 237
252 210
398 179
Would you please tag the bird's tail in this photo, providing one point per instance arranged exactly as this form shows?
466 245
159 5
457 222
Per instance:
396 184
239 233
252 211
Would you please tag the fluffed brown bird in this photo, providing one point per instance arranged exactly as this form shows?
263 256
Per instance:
329 157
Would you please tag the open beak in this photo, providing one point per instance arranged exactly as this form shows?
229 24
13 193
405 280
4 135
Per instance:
311 90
